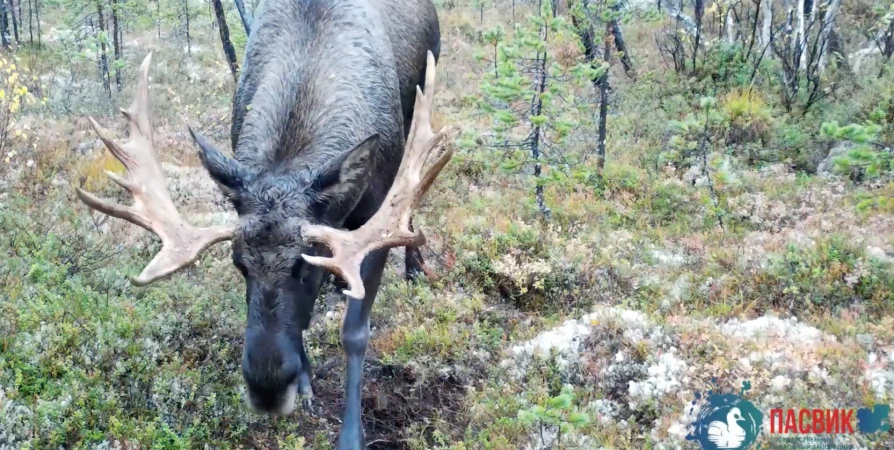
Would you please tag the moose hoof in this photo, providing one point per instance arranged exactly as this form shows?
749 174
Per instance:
307 404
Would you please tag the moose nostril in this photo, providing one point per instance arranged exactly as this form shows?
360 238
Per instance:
272 391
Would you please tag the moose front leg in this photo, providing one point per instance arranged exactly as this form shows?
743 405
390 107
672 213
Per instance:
305 388
354 339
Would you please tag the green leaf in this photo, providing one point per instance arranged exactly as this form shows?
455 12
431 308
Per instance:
527 416
538 120
579 419
560 401
504 116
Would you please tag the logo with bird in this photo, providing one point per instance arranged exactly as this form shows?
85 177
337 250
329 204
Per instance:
726 421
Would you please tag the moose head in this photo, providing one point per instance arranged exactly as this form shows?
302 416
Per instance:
287 235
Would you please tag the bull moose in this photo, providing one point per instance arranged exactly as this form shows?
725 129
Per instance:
331 137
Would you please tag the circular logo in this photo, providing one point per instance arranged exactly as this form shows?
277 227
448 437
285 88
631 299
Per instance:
726 421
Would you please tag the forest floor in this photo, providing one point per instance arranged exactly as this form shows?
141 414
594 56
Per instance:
634 297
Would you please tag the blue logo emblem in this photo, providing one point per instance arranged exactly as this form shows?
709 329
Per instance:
726 421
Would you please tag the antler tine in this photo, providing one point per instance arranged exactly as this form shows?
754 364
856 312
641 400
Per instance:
153 208
390 226
138 112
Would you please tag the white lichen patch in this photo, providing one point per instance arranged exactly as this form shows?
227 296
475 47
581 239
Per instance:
15 423
564 340
666 376
879 373
782 346
637 363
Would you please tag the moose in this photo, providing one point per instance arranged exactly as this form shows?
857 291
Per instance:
331 137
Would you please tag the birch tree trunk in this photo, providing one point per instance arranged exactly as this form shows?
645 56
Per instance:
800 41
767 24
730 25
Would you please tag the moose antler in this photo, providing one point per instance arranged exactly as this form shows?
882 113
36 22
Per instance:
153 208
390 226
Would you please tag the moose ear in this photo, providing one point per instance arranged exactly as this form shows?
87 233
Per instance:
340 184
225 171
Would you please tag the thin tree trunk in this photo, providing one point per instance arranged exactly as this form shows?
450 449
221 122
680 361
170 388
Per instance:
699 15
158 17
246 21
37 13
799 34
536 109
810 9
229 52
603 101
103 58
15 20
31 22
887 47
116 41
601 84
621 46
4 23
730 26
754 22
585 33
186 15
766 25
